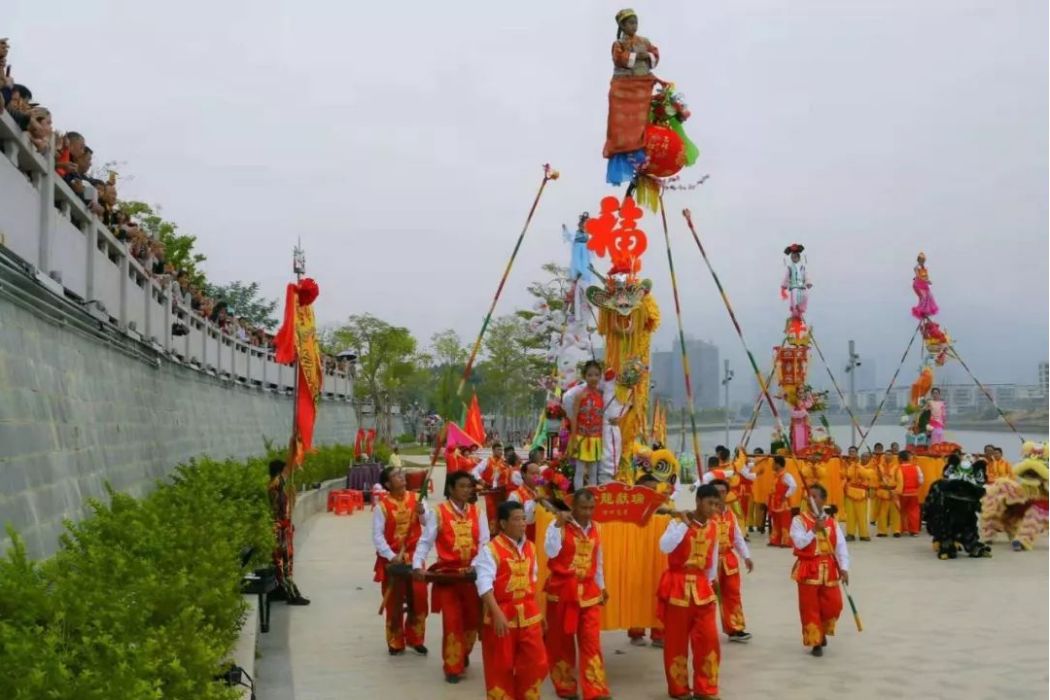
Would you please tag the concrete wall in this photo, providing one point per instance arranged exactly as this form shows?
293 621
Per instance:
76 412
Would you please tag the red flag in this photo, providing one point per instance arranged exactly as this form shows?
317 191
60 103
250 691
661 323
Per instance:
473 425
296 341
359 443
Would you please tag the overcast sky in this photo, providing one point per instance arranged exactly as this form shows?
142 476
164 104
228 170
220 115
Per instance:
403 142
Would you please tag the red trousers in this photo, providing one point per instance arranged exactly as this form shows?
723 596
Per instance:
694 627
780 522
515 664
910 517
819 608
561 650
402 626
729 601
460 610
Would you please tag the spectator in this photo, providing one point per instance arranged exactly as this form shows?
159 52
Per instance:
17 99
40 128
71 149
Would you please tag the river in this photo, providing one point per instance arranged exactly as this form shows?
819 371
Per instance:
971 440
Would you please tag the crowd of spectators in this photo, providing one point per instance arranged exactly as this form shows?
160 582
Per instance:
74 164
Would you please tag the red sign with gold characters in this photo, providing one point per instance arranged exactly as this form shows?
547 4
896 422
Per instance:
617 501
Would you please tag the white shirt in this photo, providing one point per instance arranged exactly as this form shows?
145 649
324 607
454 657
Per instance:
480 468
709 476
378 531
802 537
485 565
673 536
552 546
430 531
747 471
530 507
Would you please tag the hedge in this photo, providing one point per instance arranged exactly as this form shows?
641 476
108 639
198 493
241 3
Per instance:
143 598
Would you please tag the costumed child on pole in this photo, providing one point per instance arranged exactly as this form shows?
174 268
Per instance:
575 593
456 530
396 529
822 561
587 424
512 648
686 602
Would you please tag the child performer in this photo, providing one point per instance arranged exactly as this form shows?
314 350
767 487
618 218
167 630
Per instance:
586 417
686 602
730 544
396 530
512 630
456 530
575 594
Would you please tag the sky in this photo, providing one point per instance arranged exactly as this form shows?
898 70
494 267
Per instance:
403 142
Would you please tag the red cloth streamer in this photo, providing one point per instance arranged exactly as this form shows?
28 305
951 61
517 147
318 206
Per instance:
473 425
296 342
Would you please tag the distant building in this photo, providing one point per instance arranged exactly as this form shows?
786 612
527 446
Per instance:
669 384
1044 378
961 398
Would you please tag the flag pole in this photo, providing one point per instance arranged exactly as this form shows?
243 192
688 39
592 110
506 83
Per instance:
548 175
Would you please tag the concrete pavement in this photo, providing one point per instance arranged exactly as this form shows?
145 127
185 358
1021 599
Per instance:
955 629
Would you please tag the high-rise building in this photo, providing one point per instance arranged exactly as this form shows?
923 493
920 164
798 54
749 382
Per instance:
1044 377
669 384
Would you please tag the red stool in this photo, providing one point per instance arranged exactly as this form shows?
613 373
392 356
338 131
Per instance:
344 503
357 498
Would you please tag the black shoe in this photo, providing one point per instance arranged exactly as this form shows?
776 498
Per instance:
452 679
850 538
395 652
896 534
880 535
865 539
817 651
420 649
298 600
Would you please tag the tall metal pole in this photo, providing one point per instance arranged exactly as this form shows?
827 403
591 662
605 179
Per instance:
851 366
726 378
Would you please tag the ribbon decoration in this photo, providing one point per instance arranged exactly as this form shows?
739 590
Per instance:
987 394
893 381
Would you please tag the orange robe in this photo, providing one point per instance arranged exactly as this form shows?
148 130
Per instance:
816 572
401 531
516 663
910 482
574 614
688 608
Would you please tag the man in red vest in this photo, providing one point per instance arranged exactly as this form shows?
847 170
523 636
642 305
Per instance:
822 561
911 481
526 495
492 475
686 602
512 630
396 529
456 530
780 504
575 594
730 544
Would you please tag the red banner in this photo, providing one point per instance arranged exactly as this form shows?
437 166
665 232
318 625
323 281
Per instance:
619 502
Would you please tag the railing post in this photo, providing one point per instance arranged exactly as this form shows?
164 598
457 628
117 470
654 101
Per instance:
204 345
148 288
125 277
47 209
91 233
167 299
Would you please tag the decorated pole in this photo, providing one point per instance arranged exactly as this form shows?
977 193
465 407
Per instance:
893 380
987 394
762 384
548 175
681 342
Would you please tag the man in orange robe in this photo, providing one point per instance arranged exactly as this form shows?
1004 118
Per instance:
859 478
456 530
911 478
887 497
822 560
686 602
575 594
512 630
780 503
730 544
396 530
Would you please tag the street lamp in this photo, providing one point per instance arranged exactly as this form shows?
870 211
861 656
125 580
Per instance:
851 364
726 378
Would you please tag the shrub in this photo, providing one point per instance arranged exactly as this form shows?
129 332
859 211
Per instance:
406 439
143 598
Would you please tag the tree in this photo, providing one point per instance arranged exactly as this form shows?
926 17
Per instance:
449 358
509 372
243 300
386 361
179 248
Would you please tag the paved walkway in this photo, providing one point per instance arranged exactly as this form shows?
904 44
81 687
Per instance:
955 629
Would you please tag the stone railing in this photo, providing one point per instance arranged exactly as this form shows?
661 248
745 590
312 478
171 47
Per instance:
69 250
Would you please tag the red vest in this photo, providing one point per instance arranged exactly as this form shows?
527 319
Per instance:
401 528
685 582
493 468
727 558
910 477
513 588
457 537
573 571
816 564
778 501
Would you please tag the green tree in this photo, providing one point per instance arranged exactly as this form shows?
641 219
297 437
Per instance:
386 362
180 248
243 300
508 375
449 358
